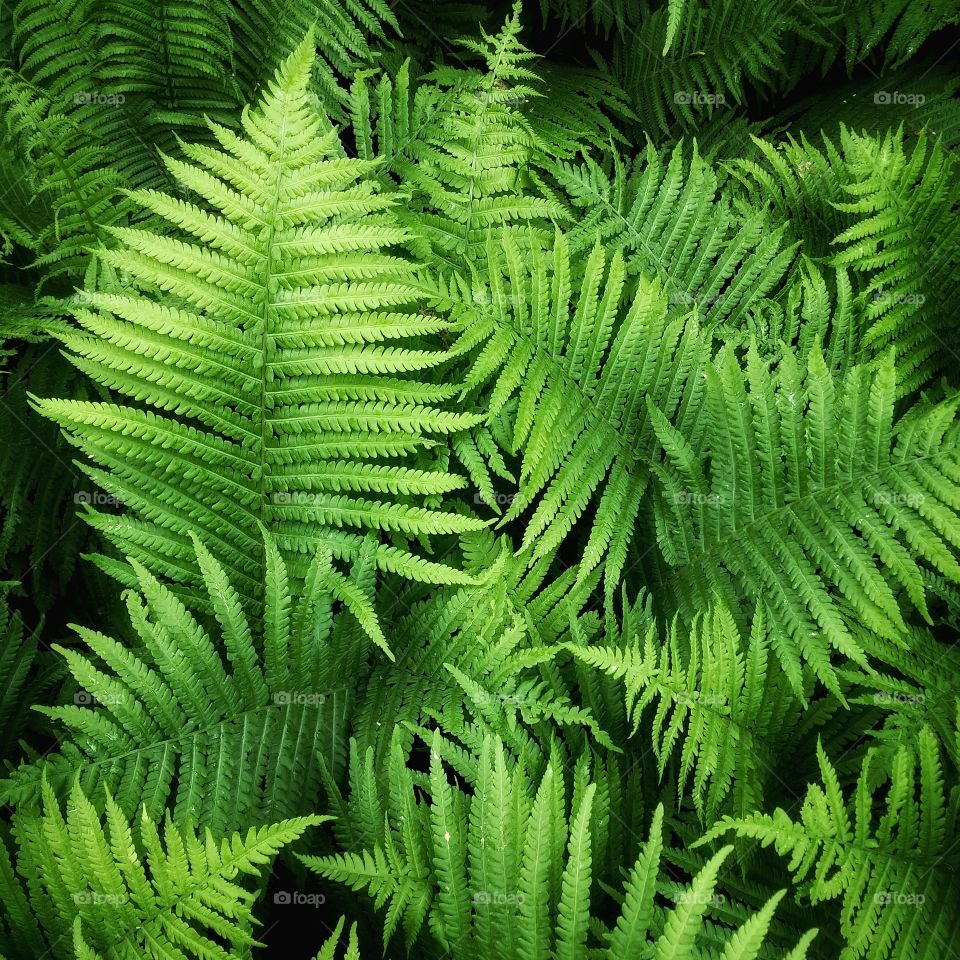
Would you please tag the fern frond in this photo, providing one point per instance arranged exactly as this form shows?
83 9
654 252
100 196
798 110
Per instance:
885 860
475 658
174 56
80 197
683 63
468 168
667 217
811 498
108 890
59 55
716 708
267 359
18 649
347 34
523 850
902 25
905 240
569 365
329 949
186 721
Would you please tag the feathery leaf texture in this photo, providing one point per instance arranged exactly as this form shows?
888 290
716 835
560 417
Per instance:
190 725
507 870
814 499
169 891
519 441
886 860
268 355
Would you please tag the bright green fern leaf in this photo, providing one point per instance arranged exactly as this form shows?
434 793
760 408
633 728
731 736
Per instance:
888 860
812 498
105 889
267 357
226 732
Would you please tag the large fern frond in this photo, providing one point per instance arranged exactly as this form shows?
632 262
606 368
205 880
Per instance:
267 356
888 860
510 870
566 366
667 217
813 499
191 722
99 888
709 701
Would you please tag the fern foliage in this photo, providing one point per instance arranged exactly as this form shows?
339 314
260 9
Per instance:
176 723
170 891
897 884
572 390
799 508
517 442
510 870
249 348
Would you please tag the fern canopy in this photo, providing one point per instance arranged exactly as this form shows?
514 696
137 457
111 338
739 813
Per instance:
518 442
